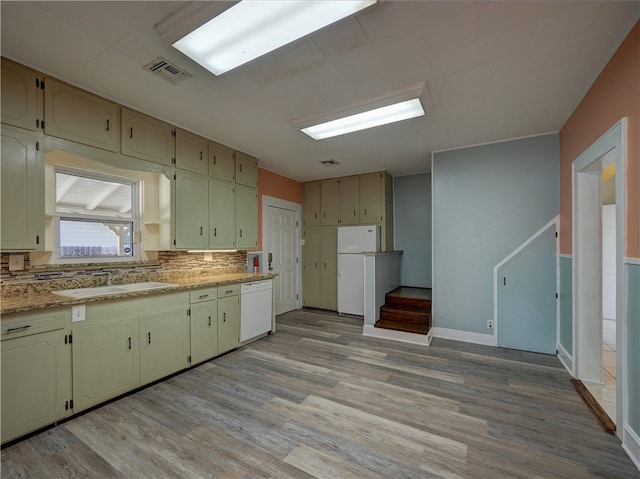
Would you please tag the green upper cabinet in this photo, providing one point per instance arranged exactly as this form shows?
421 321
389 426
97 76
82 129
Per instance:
147 138
329 201
191 152
246 217
21 96
191 211
371 197
246 170
311 203
222 224
76 115
221 162
22 193
349 200
164 343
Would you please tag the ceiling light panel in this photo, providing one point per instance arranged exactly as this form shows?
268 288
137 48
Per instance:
253 28
368 119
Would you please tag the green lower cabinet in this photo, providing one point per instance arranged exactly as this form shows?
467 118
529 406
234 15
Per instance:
105 361
228 324
36 382
204 331
164 344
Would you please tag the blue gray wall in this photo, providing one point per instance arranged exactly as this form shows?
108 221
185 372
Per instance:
412 222
487 200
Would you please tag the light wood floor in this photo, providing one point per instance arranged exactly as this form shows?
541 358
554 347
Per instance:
317 399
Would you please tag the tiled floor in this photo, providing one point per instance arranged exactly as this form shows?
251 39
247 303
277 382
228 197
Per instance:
606 394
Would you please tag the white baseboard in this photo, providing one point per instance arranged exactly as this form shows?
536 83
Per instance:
631 445
565 358
464 336
422 339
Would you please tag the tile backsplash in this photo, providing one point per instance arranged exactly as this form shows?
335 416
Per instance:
95 274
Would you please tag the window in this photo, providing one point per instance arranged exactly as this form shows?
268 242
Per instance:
97 215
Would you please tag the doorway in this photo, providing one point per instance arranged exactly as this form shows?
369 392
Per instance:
280 240
589 358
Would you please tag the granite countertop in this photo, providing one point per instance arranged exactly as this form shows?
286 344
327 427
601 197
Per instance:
29 299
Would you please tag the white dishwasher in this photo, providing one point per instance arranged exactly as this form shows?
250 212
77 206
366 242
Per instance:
255 309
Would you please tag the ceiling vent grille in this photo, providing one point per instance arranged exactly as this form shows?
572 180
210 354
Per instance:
167 71
329 162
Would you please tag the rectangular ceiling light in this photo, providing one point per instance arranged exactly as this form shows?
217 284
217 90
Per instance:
389 108
368 119
253 28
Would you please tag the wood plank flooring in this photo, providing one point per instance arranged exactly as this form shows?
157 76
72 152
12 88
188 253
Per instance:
317 399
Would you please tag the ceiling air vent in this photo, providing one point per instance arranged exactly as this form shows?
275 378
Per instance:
329 162
167 71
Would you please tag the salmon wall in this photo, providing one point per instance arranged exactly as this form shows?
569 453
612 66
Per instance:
278 186
615 94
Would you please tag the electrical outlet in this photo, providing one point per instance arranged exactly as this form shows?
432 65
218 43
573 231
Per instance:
490 324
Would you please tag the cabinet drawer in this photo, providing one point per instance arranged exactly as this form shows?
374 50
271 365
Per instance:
26 324
206 294
229 290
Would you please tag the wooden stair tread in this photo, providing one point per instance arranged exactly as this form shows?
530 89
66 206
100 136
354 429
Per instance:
418 328
405 316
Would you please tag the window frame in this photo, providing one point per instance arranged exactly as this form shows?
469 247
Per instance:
136 220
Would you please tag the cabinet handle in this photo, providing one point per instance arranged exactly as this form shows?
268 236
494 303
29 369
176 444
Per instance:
149 337
201 231
229 291
202 296
354 212
19 328
108 124
240 233
209 320
131 132
200 156
315 216
316 264
325 265
240 167
37 239
215 159
365 212
129 344
224 317
324 214
215 231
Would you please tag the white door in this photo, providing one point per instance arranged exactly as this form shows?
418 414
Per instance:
281 234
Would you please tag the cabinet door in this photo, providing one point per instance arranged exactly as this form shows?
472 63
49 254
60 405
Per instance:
147 138
20 92
246 217
222 163
246 170
22 191
349 200
311 203
329 201
222 224
192 211
371 198
191 152
204 331
164 344
36 382
311 268
329 268
79 116
105 361
228 323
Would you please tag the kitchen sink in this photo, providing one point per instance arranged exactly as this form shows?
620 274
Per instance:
83 293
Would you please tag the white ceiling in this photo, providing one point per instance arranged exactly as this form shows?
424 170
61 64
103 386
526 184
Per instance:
495 71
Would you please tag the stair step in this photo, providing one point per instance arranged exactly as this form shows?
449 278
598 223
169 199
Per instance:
404 315
413 298
406 327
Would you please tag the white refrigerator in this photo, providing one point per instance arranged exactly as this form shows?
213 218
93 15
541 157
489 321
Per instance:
353 241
